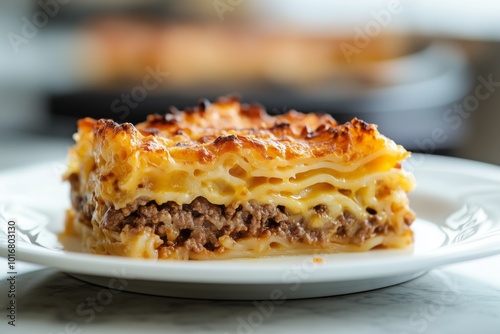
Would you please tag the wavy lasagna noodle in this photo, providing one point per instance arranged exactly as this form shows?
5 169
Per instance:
227 180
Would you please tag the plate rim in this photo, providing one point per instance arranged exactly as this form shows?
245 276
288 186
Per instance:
270 272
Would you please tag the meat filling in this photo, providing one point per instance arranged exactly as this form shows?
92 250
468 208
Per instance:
200 224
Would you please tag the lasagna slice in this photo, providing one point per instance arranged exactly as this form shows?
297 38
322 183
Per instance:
226 180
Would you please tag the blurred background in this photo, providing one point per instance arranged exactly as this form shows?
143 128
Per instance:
427 72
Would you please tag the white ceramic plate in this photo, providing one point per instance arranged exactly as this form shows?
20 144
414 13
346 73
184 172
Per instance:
457 203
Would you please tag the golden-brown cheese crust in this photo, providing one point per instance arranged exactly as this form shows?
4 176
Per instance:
201 134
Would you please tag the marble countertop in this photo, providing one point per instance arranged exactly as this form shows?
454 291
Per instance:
463 298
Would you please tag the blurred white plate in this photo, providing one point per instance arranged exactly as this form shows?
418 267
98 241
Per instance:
456 202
